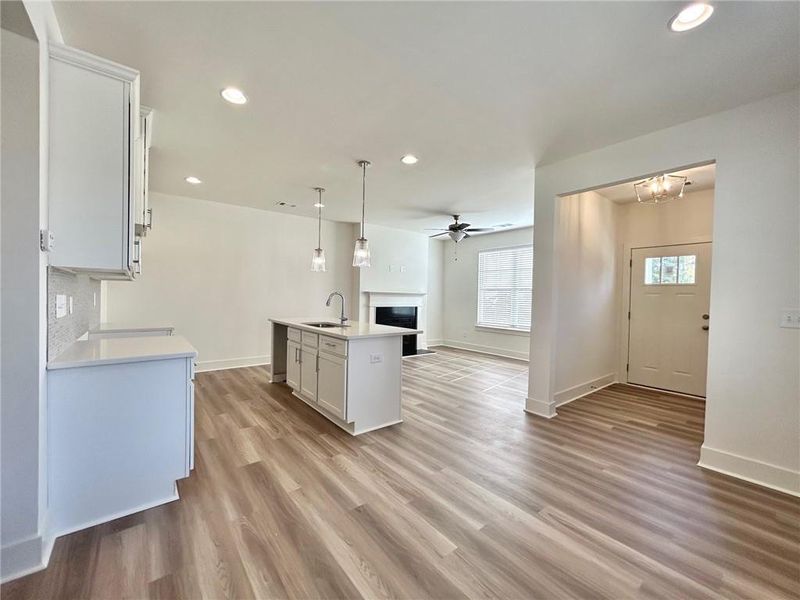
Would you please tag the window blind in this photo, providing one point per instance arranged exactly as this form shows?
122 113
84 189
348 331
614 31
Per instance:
504 287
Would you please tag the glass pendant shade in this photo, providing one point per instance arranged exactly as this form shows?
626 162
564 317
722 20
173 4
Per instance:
361 253
318 260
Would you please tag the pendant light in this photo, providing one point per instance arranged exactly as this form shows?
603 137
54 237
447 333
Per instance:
318 259
361 250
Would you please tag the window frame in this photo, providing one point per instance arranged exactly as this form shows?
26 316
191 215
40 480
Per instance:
500 328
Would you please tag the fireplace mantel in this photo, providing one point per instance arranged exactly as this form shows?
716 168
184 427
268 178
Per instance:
395 298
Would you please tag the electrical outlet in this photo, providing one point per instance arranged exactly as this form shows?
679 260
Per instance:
402 268
61 305
375 358
790 319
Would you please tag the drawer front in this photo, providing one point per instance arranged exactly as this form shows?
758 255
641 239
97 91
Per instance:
310 339
333 345
294 335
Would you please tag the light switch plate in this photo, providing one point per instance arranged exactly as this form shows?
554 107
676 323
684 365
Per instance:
61 305
375 358
790 319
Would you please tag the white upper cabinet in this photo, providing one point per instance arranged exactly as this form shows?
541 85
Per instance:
93 122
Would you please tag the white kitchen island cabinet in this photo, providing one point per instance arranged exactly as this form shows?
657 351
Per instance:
120 428
351 374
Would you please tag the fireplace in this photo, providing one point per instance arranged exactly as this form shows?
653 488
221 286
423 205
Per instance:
400 316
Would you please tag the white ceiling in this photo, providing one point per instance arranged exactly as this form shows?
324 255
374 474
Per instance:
698 178
480 92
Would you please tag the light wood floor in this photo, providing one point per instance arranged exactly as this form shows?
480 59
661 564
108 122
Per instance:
469 497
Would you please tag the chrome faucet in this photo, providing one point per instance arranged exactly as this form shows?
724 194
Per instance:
343 318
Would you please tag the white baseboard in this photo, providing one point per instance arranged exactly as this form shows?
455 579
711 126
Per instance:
494 351
231 363
540 408
435 343
751 470
24 557
582 389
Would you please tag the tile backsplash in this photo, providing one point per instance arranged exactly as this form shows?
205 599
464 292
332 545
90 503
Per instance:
85 293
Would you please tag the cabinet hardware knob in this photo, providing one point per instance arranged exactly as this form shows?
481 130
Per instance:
705 317
705 327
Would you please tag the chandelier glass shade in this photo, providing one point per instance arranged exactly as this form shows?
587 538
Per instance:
660 188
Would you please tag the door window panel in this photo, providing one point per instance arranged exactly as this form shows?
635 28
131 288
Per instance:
670 270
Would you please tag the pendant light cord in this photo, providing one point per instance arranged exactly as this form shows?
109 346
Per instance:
364 164
319 220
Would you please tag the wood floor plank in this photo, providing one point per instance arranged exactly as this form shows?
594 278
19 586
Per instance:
468 497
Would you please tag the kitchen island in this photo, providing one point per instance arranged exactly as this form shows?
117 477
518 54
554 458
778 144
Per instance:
351 374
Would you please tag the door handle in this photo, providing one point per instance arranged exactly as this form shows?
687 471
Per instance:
705 328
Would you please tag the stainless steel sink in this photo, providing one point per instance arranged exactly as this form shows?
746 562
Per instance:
324 325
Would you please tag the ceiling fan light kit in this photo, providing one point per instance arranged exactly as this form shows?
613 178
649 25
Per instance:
458 231
318 258
361 256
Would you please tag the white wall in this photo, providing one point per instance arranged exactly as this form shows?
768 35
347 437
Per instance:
435 301
461 295
752 407
399 263
20 348
587 263
217 272
32 553
685 220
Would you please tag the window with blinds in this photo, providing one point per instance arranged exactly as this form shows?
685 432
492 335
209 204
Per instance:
504 288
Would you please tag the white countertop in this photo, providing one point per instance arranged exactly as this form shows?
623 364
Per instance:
124 327
108 351
354 330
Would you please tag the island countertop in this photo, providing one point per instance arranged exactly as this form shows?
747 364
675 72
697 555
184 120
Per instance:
107 351
353 329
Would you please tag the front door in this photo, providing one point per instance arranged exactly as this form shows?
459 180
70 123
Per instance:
669 317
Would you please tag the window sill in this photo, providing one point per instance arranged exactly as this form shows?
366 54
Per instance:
506 330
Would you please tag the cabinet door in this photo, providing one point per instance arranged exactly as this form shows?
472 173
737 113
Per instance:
308 373
332 384
293 365
90 161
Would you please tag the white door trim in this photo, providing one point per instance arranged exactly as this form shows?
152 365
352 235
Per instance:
625 305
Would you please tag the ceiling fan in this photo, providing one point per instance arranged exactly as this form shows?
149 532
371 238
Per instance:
458 231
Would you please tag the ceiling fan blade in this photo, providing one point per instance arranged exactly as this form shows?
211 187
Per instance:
437 229
462 226
476 229
438 234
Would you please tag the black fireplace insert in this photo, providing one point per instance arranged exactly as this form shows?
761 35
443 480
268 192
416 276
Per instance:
400 316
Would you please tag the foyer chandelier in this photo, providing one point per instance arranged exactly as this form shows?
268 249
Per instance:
659 188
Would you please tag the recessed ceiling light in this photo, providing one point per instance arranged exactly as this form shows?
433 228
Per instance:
691 16
233 95
409 159
193 180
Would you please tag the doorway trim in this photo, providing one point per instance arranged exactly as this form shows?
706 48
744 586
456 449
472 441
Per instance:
625 305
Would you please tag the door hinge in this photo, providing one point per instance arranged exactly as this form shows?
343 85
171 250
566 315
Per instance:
628 367
46 240
629 315
631 263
